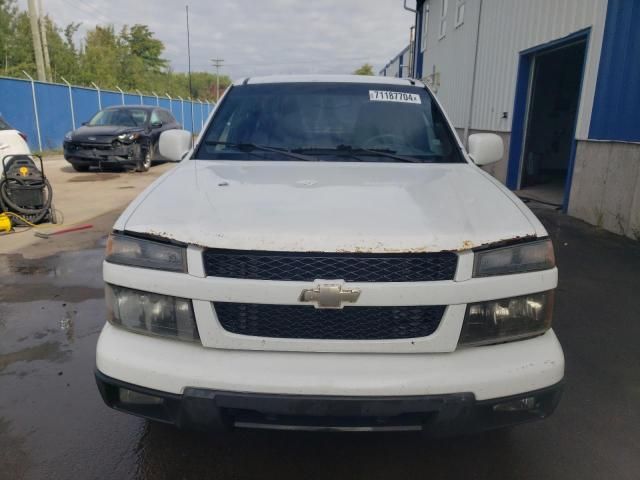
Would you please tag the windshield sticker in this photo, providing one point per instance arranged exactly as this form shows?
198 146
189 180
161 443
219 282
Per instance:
387 96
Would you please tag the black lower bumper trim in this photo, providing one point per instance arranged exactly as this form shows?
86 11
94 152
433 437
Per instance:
204 409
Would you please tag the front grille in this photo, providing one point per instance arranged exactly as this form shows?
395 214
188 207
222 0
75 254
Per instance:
350 323
351 267
90 146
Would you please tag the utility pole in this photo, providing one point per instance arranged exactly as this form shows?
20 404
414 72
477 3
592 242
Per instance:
45 44
217 62
37 45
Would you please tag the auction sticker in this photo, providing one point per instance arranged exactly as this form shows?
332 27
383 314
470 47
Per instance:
387 96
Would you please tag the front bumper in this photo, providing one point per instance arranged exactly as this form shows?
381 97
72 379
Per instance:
469 380
211 410
101 154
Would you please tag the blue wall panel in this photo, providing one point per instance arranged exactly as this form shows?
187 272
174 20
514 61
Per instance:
110 99
54 109
616 106
131 99
164 103
16 107
85 103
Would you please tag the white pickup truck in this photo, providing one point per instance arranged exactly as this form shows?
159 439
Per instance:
328 256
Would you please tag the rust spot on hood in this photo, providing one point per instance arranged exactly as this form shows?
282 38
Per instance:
376 248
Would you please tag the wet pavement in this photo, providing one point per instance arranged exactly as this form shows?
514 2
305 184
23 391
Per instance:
53 423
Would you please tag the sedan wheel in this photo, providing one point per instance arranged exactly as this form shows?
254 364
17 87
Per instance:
144 163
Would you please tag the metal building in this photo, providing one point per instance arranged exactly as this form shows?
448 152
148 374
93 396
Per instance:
559 81
401 65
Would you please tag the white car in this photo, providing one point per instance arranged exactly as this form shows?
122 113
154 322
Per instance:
12 142
328 256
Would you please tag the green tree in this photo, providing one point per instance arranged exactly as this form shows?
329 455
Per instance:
102 58
366 69
62 51
130 59
141 44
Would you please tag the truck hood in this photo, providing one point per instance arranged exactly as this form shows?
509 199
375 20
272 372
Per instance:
329 207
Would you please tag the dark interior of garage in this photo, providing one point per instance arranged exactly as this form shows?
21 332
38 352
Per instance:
553 105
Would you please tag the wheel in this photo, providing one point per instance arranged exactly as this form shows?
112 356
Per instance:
80 168
144 163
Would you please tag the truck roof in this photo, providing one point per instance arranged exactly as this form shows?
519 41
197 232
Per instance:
327 79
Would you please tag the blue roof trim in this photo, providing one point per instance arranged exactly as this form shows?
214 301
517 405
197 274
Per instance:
616 105
418 40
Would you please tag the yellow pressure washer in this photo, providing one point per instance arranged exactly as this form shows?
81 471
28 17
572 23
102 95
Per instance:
5 223
25 192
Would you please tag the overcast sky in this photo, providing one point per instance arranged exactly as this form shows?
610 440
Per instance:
258 37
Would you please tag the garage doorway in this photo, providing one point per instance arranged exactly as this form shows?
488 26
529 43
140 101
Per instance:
540 166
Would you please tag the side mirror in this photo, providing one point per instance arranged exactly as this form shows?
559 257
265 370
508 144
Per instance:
485 148
156 124
85 123
174 144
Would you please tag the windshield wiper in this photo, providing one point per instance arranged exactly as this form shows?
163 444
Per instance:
348 149
250 147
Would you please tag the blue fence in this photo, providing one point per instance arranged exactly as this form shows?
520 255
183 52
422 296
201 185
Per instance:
21 99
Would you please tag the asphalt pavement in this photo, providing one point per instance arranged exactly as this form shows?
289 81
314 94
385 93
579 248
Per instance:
54 425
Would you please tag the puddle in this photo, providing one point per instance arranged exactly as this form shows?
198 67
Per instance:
51 351
25 279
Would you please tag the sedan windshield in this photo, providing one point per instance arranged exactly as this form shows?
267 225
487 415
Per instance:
330 122
121 117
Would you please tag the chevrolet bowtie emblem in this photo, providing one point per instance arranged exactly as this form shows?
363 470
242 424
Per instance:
329 295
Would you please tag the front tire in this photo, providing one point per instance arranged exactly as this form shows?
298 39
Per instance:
144 162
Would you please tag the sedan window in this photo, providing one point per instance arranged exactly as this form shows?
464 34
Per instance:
125 117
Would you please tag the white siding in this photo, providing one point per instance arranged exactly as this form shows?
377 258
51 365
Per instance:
451 58
507 27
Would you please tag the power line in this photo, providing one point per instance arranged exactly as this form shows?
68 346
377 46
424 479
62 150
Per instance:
92 12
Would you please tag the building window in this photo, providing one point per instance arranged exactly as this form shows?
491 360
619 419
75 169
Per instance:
460 12
443 18
425 24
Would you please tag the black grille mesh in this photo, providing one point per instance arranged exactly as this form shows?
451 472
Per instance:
350 323
352 267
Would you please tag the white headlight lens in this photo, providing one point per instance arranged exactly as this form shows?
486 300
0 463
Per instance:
68 136
128 137
508 319
137 252
526 257
151 313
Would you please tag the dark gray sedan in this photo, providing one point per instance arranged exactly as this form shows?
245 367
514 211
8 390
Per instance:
120 135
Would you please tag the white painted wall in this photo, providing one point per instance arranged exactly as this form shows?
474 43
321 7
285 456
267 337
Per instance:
507 27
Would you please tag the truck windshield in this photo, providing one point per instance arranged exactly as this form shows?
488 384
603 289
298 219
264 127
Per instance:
329 122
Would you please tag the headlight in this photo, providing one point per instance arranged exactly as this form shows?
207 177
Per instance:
128 137
137 252
151 313
68 136
525 257
508 319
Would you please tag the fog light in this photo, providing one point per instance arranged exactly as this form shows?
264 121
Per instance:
136 398
520 405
